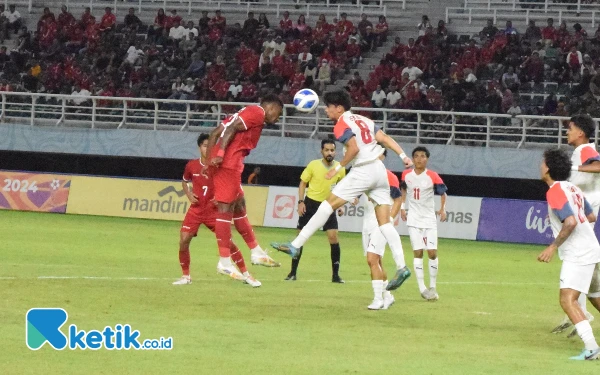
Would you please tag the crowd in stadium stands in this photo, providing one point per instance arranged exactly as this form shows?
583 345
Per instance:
205 59
502 72
540 71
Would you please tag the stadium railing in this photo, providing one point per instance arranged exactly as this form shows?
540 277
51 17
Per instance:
451 128
520 4
587 17
227 6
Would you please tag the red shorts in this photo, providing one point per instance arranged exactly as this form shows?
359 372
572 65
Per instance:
194 218
228 184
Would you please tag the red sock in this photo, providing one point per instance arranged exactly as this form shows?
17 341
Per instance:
238 258
243 226
184 261
223 232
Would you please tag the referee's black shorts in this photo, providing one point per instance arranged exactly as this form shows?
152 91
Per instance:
311 208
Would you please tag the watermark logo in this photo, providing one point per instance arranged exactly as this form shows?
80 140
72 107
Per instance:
42 325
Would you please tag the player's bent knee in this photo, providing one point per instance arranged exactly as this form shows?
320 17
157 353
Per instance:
432 254
418 254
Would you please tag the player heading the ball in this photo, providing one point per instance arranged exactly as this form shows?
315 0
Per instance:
361 139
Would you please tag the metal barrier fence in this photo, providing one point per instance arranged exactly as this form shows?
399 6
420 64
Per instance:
419 127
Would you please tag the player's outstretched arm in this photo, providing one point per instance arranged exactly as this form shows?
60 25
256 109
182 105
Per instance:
593 167
567 228
389 142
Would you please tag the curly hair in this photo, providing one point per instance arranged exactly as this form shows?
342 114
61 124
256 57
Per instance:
558 163
585 123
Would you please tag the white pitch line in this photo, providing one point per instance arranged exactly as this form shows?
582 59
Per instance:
109 278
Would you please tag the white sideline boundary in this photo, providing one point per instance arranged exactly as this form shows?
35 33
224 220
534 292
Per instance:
109 278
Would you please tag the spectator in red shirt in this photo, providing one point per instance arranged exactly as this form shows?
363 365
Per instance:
109 20
46 15
549 32
215 34
220 88
171 19
533 68
48 32
562 33
286 24
86 17
434 99
326 26
218 21
249 92
381 31
64 18
347 26
353 53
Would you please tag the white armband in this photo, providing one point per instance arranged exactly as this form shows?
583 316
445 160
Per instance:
575 168
402 156
338 167
403 206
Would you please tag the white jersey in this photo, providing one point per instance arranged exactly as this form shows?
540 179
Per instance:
363 129
589 183
420 190
564 200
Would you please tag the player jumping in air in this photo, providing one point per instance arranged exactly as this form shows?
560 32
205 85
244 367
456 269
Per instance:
228 145
570 216
585 175
418 187
318 190
374 245
203 210
361 139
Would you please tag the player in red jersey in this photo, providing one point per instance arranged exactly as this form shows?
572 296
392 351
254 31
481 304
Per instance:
229 144
203 210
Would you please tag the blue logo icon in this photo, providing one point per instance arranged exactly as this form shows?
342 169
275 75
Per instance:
43 325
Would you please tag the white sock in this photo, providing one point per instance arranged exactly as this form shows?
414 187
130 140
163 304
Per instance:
584 329
378 289
418 264
225 262
393 239
317 221
433 271
386 293
246 274
257 251
583 302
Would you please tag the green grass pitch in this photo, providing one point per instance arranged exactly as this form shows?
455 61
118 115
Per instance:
496 308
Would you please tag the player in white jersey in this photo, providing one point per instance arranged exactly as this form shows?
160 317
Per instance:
586 176
419 187
570 216
361 139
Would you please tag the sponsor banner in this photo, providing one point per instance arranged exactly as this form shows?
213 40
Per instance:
463 214
462 218
520 221
147 199
34 191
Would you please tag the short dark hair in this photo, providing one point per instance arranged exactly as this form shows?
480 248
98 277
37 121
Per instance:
338 97
271 98
201 138
327 142
558 163
421 148
585 123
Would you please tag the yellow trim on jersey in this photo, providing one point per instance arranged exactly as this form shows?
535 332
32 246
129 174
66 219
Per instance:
314 175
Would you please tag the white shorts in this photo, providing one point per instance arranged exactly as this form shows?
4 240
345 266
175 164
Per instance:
577 276
373 240
370 179
423 238
595 285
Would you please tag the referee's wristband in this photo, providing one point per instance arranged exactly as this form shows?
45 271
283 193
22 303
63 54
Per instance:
403 206
338 167
402 156
575 168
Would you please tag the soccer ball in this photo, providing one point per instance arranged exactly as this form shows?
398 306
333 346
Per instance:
306 100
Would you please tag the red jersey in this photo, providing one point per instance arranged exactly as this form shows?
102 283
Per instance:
253 118
202 187
108 21
285 24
